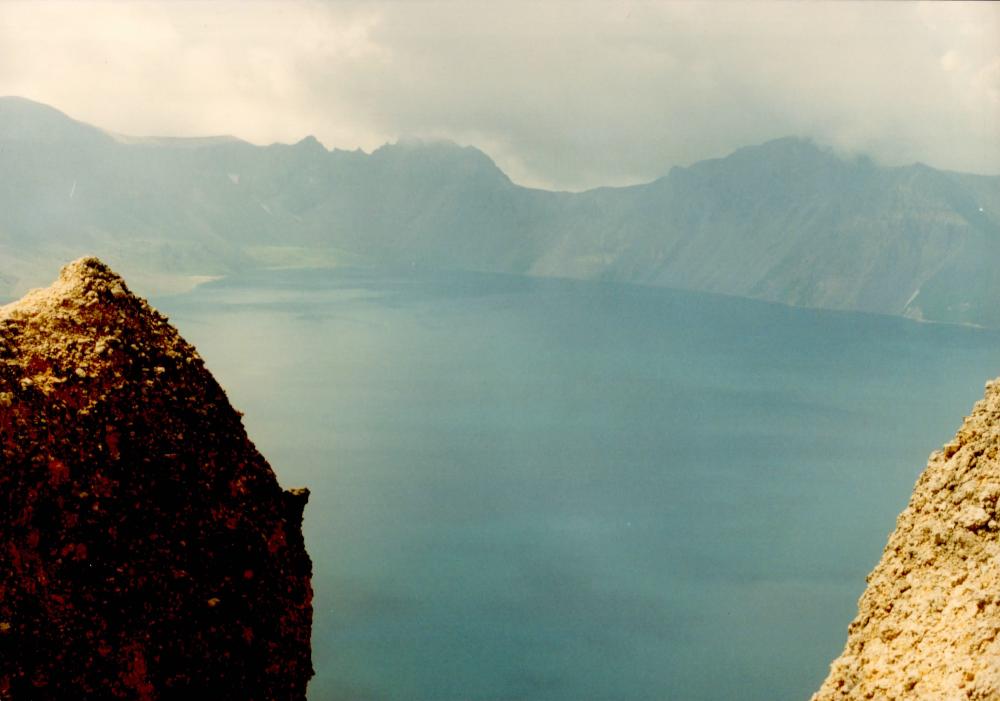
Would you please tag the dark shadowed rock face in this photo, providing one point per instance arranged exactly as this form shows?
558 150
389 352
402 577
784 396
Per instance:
146 549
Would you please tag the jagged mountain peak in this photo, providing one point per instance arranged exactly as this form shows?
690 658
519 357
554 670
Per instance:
439 153
790 220
310 143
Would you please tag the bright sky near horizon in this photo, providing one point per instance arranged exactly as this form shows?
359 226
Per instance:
561 94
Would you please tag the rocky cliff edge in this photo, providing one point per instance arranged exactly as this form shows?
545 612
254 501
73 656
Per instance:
928 624
147 551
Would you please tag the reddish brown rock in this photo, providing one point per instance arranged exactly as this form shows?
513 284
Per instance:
146 549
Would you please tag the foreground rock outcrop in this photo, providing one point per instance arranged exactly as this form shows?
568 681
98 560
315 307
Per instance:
928 625
146 549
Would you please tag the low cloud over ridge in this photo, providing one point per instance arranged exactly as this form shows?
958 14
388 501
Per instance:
562 94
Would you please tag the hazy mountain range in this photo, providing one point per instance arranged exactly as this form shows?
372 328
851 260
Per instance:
787 221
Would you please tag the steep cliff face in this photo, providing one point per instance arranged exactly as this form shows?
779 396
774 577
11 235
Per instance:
928 625
146 549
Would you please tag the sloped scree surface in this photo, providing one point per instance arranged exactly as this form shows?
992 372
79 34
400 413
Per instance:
146 549
928 624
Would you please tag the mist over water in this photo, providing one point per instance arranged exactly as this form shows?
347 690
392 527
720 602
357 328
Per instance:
531 489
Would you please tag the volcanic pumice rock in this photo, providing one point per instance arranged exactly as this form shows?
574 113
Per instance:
928 625
146 549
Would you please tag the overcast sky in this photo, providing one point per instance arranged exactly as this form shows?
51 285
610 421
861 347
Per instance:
561 94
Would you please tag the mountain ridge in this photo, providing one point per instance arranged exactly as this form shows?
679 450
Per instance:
787 221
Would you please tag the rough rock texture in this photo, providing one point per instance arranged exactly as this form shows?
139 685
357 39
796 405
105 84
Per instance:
146 549
928 625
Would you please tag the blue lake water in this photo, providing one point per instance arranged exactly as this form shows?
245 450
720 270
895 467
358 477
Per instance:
528 490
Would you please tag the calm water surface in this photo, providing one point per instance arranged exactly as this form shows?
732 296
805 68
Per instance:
529 490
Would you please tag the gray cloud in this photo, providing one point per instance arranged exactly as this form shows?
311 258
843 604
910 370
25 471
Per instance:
562 94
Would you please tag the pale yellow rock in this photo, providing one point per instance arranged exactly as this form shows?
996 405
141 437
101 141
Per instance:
928 625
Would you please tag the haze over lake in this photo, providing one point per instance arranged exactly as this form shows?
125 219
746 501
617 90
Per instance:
553 490
609 337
